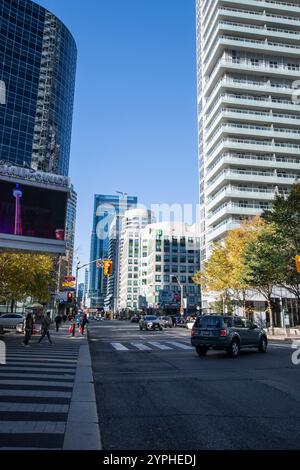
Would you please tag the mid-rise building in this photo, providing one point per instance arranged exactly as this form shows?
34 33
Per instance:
133 222
249 139
169 258
106 226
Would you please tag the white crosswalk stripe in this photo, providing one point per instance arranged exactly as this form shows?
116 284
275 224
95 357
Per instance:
141 346
180 345
161 346
119 347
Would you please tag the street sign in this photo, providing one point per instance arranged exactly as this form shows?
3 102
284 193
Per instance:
68 284
70 279
297 259
100 263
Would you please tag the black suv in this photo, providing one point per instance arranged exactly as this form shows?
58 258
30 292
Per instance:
222 332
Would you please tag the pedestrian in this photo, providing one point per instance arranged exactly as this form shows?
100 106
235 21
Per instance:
83 322
72 328
46 322
57 320
173 321
28 329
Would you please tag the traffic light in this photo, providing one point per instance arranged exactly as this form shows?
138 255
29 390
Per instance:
108 267
69 297
297 259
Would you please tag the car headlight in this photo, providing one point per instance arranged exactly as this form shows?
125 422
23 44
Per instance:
150 324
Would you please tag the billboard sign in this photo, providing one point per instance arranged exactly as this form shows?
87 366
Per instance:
32 212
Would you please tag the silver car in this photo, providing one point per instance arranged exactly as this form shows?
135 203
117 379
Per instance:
12 322
150 322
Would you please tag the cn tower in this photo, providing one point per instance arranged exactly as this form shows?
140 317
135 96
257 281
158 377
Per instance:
18 220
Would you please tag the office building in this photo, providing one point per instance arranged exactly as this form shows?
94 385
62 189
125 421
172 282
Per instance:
37 65
133 222
106 226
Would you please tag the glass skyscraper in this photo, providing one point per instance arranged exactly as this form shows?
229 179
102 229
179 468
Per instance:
106 227
37 65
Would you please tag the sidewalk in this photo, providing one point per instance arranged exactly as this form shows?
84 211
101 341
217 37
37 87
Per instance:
47 398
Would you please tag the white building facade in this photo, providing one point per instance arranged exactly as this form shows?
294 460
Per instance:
249 121
133 221
170 257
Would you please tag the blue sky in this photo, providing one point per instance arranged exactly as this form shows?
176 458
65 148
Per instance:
135 123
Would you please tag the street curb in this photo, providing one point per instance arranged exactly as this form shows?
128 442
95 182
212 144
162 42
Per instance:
82 428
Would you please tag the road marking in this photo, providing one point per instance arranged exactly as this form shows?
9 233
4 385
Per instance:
141 347
180 345
160 346
119 347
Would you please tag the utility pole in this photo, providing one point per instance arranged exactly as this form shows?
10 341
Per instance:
181 296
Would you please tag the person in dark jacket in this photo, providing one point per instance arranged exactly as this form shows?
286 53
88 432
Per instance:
28 329
83 322
57 320
46 323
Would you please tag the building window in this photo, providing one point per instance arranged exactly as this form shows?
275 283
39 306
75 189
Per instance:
166 278
158 268
158 258
157 288
182 278
174 259
157 278
174 269
182 269
167 268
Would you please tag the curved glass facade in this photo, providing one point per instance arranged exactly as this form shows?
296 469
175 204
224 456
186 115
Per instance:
37 65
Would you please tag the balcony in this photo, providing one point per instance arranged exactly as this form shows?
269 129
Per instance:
252 161
221 229
235 65
232 208
259 117
232 175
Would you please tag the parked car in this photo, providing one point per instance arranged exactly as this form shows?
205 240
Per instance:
10 321
181 322
135 319
166 322
221 332
150 322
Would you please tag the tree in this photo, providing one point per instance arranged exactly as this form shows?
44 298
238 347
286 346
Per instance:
25 275
264 259
223 271
285 218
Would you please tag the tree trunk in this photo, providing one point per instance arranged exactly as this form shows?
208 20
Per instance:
270 310
12 306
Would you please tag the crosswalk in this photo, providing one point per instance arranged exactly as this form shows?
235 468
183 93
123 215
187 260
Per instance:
36 385
148 346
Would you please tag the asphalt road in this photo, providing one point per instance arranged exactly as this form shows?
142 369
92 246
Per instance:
153 392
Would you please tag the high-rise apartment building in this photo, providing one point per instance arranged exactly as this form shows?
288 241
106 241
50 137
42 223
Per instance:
108 209
249 135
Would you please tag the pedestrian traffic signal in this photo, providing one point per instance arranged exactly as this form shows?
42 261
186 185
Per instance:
297 259
70 297
108 267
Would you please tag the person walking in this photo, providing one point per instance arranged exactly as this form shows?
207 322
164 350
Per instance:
28 329
46 323
72 328
83 322
57 320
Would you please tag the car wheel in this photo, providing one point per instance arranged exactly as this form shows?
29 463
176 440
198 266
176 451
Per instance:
234 348
201 350
263 344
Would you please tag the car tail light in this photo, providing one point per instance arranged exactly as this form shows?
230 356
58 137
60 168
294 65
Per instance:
223 333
